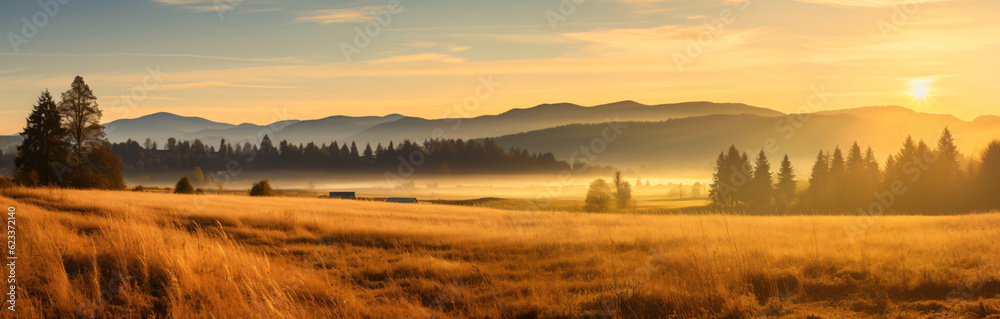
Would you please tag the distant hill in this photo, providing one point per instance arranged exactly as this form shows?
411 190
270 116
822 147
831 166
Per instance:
158 126
9 143
331 128
688 146
549 115
396 127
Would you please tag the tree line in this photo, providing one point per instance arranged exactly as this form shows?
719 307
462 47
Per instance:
64 144
440 156
919 178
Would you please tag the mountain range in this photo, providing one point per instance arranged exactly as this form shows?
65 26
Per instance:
688 147
372 129
678 139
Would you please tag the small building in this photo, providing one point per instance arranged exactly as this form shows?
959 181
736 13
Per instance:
403 200
343 195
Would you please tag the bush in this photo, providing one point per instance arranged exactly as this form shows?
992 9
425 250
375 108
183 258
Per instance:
184 186
139 188
199 191
262 188
599 196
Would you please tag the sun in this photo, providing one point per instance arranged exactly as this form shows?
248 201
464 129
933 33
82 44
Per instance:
920 89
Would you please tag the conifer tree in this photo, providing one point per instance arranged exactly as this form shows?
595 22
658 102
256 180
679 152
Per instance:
760 185
786 183
43 146
819 181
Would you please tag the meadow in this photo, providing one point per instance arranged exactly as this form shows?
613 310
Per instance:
105 254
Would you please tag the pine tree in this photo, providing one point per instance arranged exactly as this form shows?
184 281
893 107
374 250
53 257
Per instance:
988 181
819 181
742 178
43 147
369 155
717 191
855 163
786 183
731 178
945 175
835 197
760 188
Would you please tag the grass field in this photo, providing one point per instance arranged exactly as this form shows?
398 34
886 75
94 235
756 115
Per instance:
138 255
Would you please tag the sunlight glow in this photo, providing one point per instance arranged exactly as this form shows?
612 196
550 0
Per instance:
920 89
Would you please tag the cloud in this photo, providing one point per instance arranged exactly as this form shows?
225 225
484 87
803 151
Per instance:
868 3
215 5
422 57
289 59
159 98
360 14
183 2
206 84
196 5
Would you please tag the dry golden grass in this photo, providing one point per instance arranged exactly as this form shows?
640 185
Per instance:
139 255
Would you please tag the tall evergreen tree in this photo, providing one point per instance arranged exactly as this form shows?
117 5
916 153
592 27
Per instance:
731 178
834 199
786 183
819 181
43 145
855 163
369 155
988 182
743 178
760 185
717 190
945 175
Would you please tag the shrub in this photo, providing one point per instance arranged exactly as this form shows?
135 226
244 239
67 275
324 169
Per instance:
262 188
599 196
623 191
184 186
139 188
199 191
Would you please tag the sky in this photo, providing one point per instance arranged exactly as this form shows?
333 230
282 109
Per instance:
259 61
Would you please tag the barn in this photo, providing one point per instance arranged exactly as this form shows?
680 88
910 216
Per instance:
404 200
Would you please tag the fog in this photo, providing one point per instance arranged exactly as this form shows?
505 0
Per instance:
524 186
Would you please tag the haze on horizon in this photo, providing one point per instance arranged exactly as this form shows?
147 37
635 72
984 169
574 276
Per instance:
243 60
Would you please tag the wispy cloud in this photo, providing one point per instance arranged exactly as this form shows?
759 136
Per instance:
183 2
422 57
207 84
867 3
289 59
159 98
360 14
195 5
